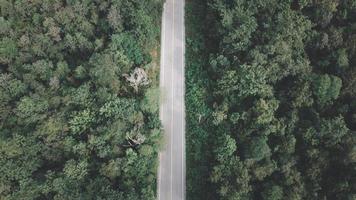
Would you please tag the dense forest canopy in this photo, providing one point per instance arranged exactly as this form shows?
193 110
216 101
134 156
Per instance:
271 99
79 99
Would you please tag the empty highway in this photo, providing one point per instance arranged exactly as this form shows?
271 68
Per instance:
171 172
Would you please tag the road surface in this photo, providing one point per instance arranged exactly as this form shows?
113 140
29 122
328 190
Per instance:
171 172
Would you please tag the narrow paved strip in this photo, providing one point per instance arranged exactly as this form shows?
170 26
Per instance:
171 173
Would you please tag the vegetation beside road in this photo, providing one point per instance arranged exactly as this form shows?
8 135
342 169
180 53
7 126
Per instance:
271 104
79 99
197 110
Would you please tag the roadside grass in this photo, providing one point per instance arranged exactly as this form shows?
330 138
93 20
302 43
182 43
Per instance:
198 136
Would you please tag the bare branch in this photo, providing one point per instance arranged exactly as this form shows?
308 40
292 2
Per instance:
137 78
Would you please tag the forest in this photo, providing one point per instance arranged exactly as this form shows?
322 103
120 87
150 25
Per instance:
79 99
271 99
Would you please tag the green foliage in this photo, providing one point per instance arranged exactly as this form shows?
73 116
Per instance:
332 130
326 88
229 172
257 149
76 169
128 44
342 59
8 50
108 69
19 158
274 192
197 111
249 80
31 109
11 87
270 99
66 109
151 100
111 169
264 110
236 35
81 121
119 108
227 148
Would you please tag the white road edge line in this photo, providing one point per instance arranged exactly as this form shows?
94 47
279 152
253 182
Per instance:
172 114
161 94
183 105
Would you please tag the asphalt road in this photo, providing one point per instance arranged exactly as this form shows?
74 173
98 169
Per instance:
171 172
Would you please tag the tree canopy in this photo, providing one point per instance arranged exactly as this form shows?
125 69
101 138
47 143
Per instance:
73 125
271 104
